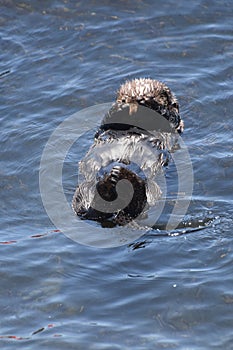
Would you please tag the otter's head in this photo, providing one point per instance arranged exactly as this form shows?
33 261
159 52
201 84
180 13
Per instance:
152 94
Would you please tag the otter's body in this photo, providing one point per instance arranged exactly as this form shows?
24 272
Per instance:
133 142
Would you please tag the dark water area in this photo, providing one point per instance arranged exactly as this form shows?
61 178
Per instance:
160 291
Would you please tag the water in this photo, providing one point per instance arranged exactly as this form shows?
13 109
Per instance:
159 291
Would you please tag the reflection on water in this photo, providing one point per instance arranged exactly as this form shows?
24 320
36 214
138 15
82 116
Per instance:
160 291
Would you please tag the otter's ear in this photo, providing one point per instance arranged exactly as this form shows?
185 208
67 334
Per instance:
167 94
176 105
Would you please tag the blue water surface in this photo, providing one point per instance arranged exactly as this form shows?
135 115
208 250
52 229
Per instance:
160 291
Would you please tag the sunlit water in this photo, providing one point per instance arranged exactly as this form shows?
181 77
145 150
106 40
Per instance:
162 290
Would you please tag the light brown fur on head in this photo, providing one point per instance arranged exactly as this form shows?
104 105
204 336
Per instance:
150 93
145 89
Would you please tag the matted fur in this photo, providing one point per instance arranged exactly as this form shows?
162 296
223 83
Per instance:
152 94
117 148
137 90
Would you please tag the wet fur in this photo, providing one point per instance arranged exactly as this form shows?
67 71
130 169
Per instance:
131 95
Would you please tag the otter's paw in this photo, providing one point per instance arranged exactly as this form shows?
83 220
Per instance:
112 205
131 204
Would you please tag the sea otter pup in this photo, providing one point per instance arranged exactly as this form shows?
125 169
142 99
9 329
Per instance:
133 143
